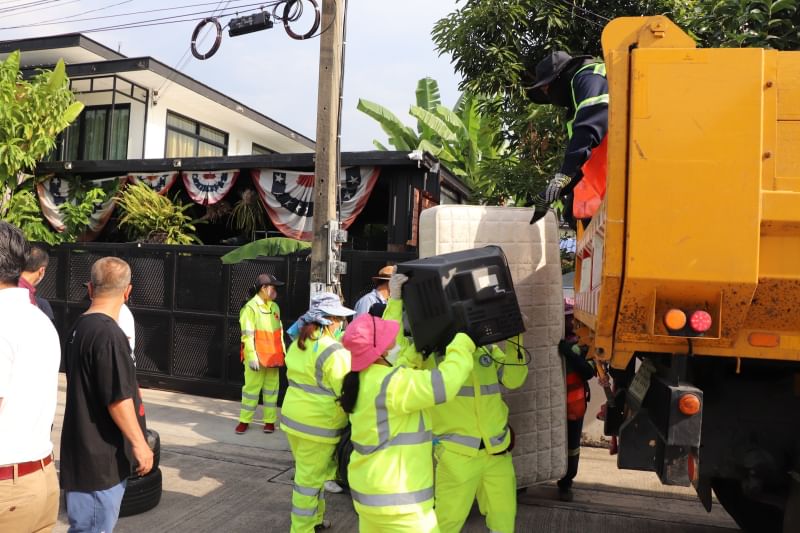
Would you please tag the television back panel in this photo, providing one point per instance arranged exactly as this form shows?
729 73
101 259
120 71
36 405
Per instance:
537 410
470 291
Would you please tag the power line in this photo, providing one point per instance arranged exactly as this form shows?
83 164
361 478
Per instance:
53 21
42 8
587 11
10 9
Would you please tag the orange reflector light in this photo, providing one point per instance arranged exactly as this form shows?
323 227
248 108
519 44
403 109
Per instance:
700 321
764 340
689 404
675 319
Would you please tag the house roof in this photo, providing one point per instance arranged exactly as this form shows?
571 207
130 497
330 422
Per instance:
86 57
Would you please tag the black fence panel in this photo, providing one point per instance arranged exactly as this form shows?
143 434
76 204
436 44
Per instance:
186 304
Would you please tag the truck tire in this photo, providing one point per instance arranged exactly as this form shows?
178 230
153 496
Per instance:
141 494
751 515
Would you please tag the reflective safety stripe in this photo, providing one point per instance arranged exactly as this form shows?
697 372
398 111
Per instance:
306 491
267 392
400 498
600 68
253 397
382 418
299 511
311 430
248 332
246 407
270 404
464 440
498 440
401 439
594 100
326 353
311 389
466 391
439 392
494 388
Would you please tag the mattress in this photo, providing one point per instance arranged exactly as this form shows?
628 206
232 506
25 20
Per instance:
538 409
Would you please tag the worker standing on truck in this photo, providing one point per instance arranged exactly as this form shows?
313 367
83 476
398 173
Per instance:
579 84
579 372
472 438
262 352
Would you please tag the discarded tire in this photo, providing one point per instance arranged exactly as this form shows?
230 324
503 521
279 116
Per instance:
141 494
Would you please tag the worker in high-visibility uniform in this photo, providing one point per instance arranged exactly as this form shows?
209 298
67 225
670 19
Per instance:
316 364
391 467
472 435
580 85
262 352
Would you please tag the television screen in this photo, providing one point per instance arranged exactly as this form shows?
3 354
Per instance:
469 291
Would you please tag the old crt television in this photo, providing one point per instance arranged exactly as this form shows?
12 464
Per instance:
469 291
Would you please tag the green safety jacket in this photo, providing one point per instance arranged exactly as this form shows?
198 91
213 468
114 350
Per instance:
315 376
478 416
391 467
262 332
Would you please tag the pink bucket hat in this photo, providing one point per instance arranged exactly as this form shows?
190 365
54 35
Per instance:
367 338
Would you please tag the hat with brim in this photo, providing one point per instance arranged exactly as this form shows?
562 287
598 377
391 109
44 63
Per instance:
384 274
267 279
367 338
551 67
329 304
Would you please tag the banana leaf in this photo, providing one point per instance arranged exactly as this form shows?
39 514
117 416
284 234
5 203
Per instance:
269 247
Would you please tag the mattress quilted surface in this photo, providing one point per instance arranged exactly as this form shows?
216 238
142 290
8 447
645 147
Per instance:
538 409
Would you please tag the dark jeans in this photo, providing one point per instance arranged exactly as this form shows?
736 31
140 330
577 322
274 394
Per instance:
574 429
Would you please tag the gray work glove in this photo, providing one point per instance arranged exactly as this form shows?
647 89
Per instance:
556 185
540 208
253 364
396 286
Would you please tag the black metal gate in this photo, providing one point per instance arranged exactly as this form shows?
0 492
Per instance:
186 304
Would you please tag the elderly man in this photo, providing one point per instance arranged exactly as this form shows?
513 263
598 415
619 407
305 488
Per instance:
32 275
29 359
378 295
103 407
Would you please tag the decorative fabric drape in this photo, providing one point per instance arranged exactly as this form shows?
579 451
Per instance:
55 191
210 186
288 197
161 183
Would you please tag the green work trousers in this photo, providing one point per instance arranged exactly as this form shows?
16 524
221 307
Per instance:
264 383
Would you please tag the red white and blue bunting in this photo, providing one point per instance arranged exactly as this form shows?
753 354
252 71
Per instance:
161 183
209 187
289 199
55 191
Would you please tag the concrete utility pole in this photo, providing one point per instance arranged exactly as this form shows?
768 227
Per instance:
325 265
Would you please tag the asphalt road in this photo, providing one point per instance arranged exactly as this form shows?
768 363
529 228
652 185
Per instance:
216 481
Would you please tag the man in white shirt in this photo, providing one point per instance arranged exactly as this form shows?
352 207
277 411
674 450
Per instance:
29 359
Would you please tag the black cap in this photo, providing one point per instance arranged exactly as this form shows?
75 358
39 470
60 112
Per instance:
267 279
551 67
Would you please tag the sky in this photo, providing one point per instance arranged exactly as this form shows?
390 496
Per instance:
388 49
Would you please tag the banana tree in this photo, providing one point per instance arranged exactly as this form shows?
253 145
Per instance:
463 138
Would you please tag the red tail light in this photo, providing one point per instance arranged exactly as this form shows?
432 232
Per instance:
700 321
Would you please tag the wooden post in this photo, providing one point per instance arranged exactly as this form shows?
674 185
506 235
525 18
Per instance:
326 167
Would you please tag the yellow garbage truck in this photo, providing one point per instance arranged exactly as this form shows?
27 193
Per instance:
688 277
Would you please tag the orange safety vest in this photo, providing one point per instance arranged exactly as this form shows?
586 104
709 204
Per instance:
576 396
268 336
591 189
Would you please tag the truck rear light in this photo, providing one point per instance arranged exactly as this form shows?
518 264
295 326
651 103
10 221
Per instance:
764 340
700 321
689 404
675 319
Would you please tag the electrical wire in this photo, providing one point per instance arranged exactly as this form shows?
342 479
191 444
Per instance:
43 8
574 15
59 20
520 348
587 11
11 9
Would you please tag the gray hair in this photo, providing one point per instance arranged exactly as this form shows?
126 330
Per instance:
110 276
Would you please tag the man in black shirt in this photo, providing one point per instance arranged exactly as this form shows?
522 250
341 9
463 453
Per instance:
103 408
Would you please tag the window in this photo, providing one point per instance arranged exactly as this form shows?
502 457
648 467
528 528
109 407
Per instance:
261 150
189 138
88 137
